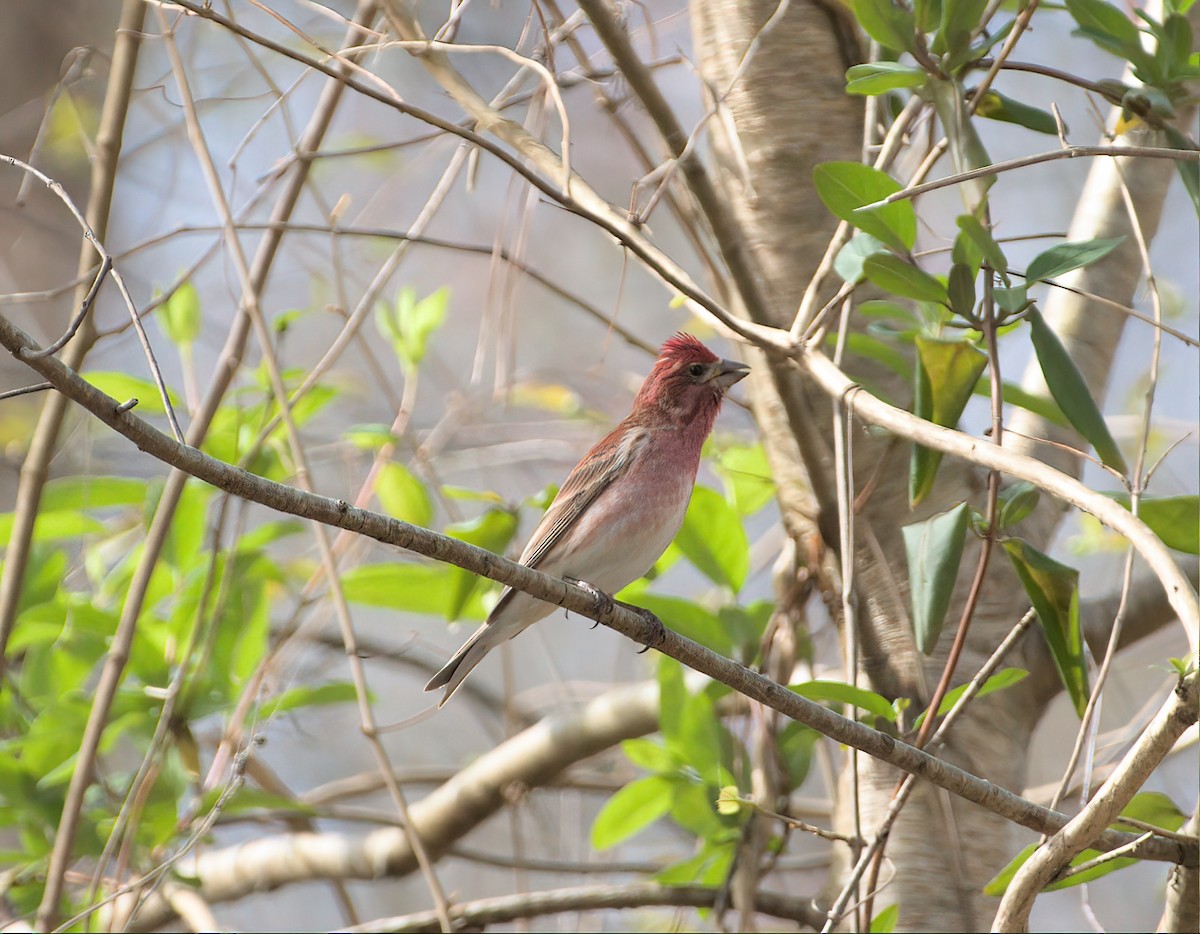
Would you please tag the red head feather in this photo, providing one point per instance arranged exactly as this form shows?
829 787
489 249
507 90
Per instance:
685 347
675 394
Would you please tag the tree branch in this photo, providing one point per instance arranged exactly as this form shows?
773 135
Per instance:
642 628
1175 716
487 911
1179 591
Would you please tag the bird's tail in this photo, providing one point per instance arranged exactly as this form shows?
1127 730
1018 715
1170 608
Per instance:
484 639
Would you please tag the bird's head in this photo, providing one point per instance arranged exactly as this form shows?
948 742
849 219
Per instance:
687 383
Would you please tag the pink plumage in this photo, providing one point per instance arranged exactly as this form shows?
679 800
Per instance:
621 506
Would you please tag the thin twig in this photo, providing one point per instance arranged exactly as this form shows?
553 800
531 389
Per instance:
24 390
1072 152
638 626
106 268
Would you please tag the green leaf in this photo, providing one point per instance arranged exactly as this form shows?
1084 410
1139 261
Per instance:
246 800
416 588
403 496
55 526
849 261
934 549
844 187
970 227
309 695
1108 27
1005 677
411 322
1012 301
967 152
796 742
712 539
1174 519
493 530
1153 807
959 19
180 316
842 693
92 493
749 485
887 23
1053 589
904 279
1189 171
1016 502
672 695
1015 395
708 867
1064 257
649 755
946 375
1070 391
369 437
881 77
123 387
995 106
1148 806
999 884
635 807
961 290
885 921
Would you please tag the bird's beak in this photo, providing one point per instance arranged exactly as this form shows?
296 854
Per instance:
729 372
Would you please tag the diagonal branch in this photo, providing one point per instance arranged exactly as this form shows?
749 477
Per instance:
637 625
1173 718
507 908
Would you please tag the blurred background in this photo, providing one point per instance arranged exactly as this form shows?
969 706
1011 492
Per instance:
518 381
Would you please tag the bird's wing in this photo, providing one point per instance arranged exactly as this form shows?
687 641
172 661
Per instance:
603 464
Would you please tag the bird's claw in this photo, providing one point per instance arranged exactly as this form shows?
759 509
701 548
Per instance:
603 603
659 632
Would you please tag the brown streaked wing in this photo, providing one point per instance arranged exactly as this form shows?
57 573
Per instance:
591 477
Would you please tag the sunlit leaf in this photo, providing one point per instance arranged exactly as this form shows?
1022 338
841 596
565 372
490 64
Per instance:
123 387
402 495
849 261
945 377
1063 257
842 693
902 278
995 106
635 807
309 695
180 315
888 23
417 588
1174 519
844 187
881 77
713 539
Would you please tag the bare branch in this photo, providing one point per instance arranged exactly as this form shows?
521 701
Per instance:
1175 716
640 626
487 911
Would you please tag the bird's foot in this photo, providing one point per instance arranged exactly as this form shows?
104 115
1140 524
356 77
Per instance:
603 603
658 632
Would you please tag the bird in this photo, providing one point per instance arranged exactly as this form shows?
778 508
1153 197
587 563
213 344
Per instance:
623 503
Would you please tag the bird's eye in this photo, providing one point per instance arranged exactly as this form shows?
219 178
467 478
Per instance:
696 370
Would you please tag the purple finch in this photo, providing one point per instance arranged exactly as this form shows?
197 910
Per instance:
623 503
